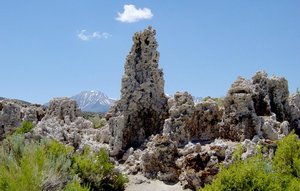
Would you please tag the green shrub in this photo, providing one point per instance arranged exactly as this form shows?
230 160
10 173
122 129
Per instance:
251 174
98 121
258 174
75 185
96 169
26 127
287 158
50 165
27 165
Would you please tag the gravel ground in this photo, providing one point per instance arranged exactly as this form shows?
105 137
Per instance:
140 183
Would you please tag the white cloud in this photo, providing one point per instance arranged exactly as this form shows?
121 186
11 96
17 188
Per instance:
131 14
82 35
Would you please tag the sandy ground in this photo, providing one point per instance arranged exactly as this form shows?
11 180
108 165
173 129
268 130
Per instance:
140 183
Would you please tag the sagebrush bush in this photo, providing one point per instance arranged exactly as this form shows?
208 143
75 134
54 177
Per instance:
98 121
50 165
28 165
287 158
96 169
25 127
260 174
75 185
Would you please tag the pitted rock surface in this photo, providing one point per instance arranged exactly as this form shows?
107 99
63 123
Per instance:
294 102
181 111
64 123
257 107
158 159
13 112
141 111
63 109
205 120
10 117
188 122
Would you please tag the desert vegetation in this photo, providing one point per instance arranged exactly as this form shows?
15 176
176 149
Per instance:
97 119
49 165
282 172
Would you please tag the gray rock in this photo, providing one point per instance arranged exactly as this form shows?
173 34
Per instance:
64 109
13 112
143 104
180 115
294 102
285 128
256 107
158 159
10 117
187 122
204 123
63 122
240 120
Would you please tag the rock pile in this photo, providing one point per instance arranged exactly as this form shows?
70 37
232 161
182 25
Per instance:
188 122
64 123
142 109
13 112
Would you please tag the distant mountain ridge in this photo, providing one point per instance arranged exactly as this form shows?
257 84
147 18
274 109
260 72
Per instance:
18 101
93 101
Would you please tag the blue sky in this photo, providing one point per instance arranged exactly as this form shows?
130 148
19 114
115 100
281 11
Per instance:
204 45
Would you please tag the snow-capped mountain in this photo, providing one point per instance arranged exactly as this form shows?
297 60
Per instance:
93 101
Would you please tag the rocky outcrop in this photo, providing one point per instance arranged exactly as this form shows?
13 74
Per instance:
33 113
240 120
158 159
142 108
63 109
10 117
294 102
193 165
256 107
204 123
13 112
64 123
181 111
188 122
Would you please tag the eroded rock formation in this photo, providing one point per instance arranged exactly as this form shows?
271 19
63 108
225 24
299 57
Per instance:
192 144
13 112
64 123
143 106
177 126
257 107
294 102
188 122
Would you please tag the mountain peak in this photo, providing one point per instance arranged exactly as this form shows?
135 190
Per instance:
93 101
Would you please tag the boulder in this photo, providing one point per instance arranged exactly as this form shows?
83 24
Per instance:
158 159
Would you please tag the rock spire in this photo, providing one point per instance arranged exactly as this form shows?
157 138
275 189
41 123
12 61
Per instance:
142 109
